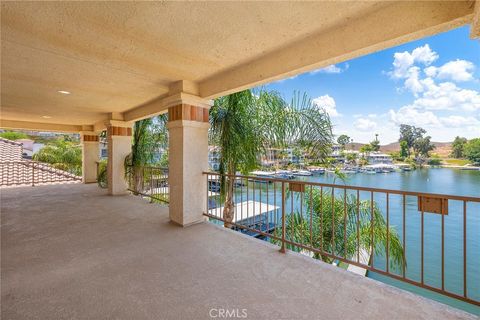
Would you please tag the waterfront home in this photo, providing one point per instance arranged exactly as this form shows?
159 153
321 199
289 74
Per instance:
337 154
280 157
30 147
214 158
378 157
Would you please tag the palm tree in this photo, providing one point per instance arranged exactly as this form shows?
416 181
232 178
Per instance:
62 154
246 123
339 217
149 135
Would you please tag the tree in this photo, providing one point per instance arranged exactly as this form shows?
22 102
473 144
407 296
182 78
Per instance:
457 147
13 135
351 157
472 150
423 146
343 140
404 149
335 217
366 149
149 136
102 178
62 154
375 145
434 161
410 134
245 124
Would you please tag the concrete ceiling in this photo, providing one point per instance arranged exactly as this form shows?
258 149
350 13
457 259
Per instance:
118 56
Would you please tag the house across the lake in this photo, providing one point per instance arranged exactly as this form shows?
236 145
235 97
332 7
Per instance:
378 157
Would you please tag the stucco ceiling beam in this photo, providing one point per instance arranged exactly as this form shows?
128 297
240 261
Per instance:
360 36
179 92
475 30
40 126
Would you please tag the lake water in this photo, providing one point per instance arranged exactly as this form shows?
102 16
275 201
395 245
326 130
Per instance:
433 180
444 181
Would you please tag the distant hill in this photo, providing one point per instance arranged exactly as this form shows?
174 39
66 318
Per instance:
443 149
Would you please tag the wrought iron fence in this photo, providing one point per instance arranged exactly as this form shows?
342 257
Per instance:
428 240
151 182
17 173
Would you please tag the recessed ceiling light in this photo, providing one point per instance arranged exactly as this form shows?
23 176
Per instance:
64 92
46 117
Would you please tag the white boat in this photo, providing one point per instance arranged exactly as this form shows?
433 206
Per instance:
262 174
303 173
380 168
316 170
284 174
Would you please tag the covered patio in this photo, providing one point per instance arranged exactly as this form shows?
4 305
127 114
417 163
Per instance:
78 251
73 252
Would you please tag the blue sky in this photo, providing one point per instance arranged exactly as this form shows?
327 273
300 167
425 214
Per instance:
433 83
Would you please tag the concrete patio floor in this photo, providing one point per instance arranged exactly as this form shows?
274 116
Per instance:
72 252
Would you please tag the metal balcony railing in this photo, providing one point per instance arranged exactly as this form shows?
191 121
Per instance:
428 240
151 182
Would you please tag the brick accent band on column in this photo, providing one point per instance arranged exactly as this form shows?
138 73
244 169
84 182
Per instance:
90 137
187 112
119 131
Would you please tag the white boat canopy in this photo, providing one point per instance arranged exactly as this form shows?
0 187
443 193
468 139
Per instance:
247 209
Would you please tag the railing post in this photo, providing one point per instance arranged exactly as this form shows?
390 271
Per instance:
282 249
151 185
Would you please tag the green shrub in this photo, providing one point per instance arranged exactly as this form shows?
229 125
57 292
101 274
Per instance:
13 135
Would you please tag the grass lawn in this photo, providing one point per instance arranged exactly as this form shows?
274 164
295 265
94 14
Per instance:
456 162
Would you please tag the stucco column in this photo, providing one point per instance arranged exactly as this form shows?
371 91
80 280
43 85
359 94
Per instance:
188 159
119 136
90 156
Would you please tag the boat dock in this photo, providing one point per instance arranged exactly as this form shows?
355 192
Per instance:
254 214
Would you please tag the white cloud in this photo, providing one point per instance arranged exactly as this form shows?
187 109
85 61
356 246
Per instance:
328 104
459 122
446 96
285 79
403 61
364 124
413 82
430 93
458 70
331 69
411 115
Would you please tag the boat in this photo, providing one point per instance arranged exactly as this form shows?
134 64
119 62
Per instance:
262 174
380 168
348 171
284 174
316 171
302 173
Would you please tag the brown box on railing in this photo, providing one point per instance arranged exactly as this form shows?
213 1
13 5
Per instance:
431 204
